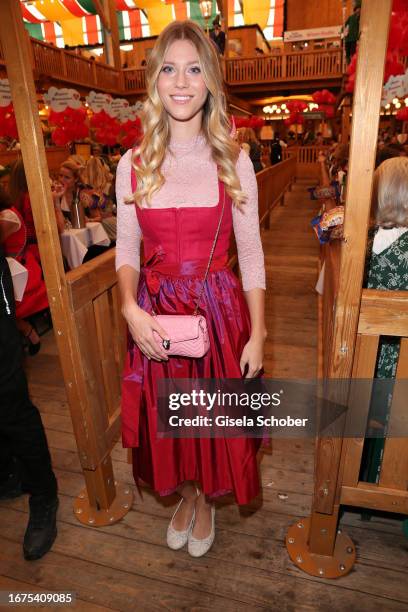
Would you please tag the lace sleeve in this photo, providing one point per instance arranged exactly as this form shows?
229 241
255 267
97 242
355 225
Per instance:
128 229
246 229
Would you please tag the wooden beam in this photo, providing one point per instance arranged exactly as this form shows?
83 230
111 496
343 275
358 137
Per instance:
16 53
372 496
112 34
383 313
374 25
99 9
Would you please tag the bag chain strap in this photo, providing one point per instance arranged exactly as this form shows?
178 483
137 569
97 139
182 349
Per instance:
211 255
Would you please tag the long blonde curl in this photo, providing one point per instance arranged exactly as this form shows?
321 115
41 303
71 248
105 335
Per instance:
148 158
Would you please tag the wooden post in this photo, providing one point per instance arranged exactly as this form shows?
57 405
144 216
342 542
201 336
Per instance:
111 34
91 445
323 550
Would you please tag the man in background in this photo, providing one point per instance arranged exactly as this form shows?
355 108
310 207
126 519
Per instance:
218 36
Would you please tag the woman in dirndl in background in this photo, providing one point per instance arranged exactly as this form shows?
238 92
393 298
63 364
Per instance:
186 166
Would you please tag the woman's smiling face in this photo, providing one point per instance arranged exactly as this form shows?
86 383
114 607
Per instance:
180 85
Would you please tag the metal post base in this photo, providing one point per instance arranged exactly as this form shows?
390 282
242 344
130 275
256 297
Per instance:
91 516
319 565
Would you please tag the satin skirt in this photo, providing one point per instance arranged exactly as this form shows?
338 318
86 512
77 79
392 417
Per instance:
220 465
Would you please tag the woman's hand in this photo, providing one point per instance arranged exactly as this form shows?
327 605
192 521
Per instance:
252 356
57 191
141 326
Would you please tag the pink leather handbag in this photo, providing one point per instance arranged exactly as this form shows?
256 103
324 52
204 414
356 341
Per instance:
188 334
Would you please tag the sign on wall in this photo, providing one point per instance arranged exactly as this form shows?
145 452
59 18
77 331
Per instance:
312 34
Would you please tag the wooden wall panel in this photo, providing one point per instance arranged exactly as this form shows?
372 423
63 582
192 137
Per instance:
314 13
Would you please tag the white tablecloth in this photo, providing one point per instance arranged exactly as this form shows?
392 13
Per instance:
75 242
19 274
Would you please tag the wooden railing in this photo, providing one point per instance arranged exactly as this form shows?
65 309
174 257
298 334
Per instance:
100 336
324 64
306 159
68 66
134 79
382 313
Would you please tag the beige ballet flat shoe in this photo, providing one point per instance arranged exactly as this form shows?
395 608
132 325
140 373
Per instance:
198 548
177 539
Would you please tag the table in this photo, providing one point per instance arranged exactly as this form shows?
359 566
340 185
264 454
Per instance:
19 275
75 242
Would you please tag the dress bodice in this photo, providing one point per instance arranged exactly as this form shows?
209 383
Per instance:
182 238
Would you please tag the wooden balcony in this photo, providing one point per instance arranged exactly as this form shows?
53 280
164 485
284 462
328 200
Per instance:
249 74
284 71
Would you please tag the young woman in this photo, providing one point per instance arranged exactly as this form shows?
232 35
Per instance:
186 166
70 178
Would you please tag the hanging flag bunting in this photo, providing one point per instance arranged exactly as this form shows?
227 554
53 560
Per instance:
92 30
81 25
278 19
73 32
52 11
159 17
35 30
31 14
49 32
256 11
180 9
75 8
130 25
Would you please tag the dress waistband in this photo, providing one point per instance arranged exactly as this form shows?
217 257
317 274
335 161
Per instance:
185 268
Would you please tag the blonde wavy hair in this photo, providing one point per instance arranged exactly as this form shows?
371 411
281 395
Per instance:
96 174
149 156
390 193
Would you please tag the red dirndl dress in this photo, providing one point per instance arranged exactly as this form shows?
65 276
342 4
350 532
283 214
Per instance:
35 295
177 243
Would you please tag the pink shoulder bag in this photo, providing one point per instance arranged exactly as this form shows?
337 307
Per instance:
188 334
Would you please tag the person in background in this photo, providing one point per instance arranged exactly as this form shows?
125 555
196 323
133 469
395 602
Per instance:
25 463
70 178
13 238
352 31
249 137
276 149
386 269
218 36
97 176
20 198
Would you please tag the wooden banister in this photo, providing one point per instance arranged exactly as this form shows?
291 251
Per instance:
383 313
